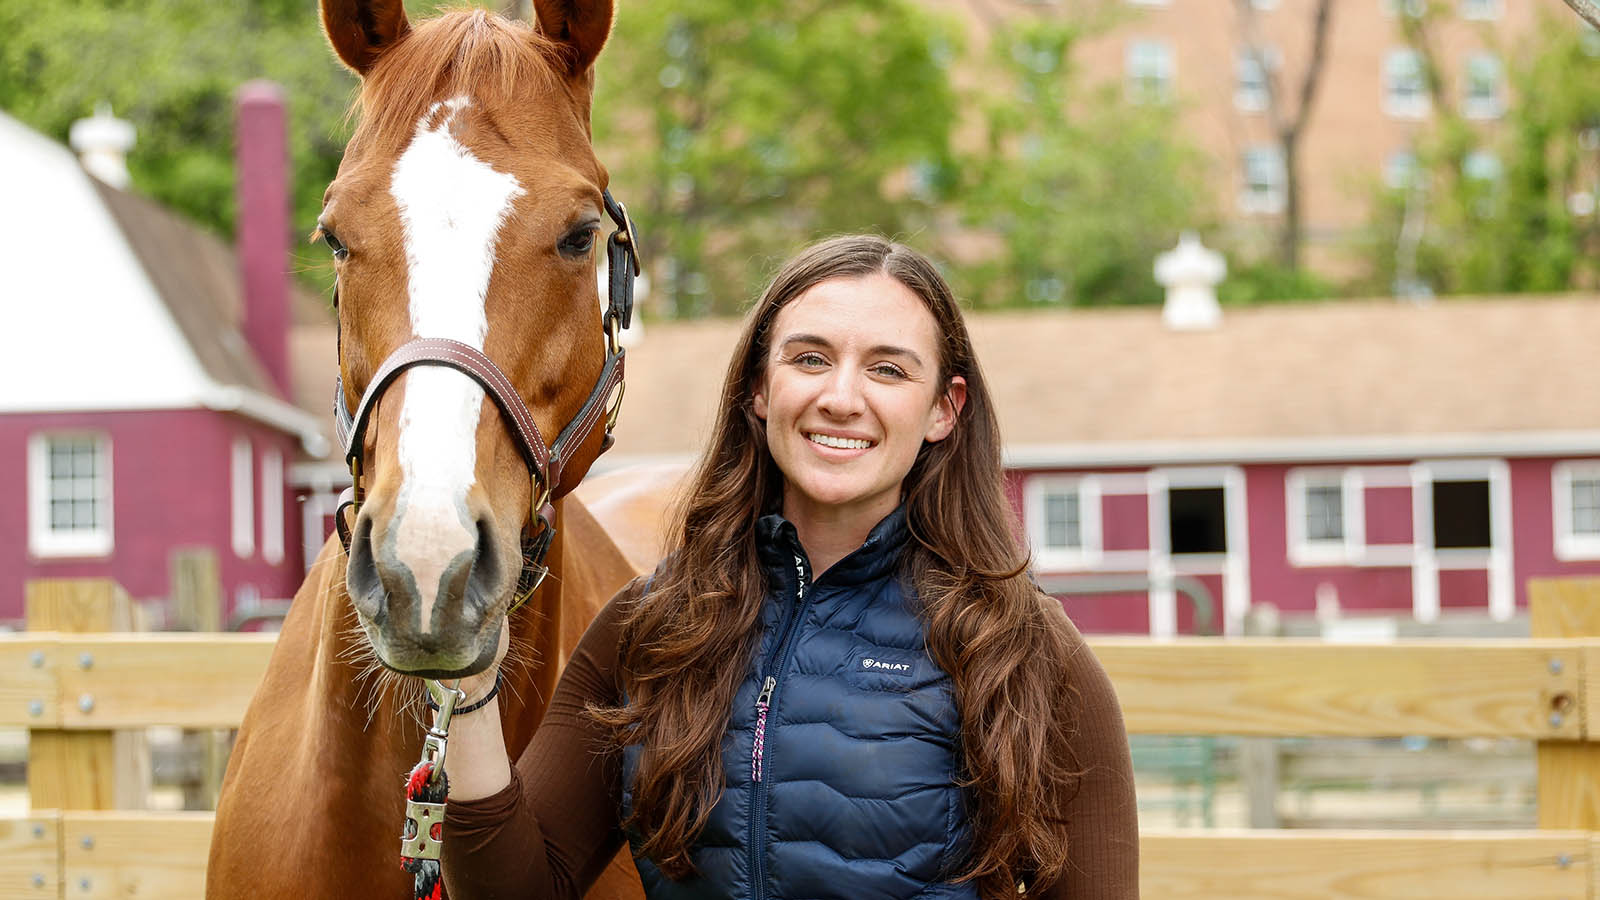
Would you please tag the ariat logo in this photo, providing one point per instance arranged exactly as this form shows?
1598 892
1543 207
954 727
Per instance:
879 665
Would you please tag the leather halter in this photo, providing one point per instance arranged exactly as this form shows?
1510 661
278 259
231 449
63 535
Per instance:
545 462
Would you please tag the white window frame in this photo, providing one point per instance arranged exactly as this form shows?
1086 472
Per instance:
272 506
1401 169
44 541
1047 558
1408 106
243 497
1429 561
1349 548
1571 546
1413 8
1272 199
1481 10
1164 70
1253 100
1491 107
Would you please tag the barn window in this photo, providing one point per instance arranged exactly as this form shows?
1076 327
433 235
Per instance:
69 494
1062 513
1461 515
1575 490
1196 520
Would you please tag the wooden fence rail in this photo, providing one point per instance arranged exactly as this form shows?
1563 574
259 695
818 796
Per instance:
69 685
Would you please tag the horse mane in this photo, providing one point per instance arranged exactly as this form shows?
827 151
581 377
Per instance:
461 51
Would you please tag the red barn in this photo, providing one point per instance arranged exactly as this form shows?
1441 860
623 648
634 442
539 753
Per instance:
143 391
1356 456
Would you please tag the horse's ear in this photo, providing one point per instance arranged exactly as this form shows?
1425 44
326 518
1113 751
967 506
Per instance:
581 25
360 30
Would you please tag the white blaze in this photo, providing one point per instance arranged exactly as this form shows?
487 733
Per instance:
452 205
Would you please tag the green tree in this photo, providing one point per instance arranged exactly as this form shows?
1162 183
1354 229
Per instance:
1082 187
1506 209
740 129
171 68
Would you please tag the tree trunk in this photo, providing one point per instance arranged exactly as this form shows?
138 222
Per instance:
1289 236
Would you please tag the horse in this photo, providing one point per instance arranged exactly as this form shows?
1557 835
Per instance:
463 224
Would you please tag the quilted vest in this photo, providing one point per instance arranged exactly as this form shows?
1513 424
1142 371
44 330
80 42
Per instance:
842 748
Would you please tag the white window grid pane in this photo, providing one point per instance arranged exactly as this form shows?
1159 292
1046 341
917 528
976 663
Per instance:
1586 507
76 488
1480 10
1063 524
1324 513
1404 91
1150 70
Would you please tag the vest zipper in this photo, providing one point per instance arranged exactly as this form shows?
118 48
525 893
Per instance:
758 812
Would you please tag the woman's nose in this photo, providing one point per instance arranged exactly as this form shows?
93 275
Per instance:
841 397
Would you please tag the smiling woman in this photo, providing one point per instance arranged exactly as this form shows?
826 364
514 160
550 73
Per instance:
841 682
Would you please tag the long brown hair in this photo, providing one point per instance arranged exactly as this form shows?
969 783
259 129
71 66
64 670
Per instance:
1004 644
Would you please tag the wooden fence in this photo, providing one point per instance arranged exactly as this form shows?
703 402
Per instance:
75 691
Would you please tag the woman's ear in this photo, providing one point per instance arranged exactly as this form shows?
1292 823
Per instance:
947 409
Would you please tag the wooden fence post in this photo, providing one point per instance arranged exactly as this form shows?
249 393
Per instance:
1569 771
77 769
197 606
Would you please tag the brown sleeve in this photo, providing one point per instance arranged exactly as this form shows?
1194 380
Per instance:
1103 844
553 829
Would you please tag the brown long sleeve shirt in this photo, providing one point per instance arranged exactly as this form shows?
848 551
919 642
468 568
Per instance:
553 829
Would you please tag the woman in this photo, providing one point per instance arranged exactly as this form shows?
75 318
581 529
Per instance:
841 682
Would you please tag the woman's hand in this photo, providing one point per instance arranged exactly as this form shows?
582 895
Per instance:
476 761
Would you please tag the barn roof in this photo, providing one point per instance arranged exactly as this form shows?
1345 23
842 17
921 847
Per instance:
122 304
1373 379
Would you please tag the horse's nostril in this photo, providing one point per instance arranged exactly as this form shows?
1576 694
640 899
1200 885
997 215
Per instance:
486 563
361 574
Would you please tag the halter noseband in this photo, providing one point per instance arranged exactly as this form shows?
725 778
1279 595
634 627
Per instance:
545 462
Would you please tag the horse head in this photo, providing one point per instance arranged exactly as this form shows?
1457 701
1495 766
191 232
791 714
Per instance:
467 209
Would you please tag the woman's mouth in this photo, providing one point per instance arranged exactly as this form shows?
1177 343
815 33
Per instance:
838 443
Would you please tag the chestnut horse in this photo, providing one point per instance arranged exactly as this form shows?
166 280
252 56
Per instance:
466 209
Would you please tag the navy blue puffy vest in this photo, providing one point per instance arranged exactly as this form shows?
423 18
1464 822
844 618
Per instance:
854 793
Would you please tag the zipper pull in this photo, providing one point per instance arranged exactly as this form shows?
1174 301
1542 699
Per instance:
767 687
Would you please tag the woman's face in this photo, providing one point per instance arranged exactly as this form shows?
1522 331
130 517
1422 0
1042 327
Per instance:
850 393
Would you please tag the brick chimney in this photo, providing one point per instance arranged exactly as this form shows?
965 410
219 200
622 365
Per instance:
262 159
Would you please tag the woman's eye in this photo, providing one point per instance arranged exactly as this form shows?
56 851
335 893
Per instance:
889 370
578 242
810 360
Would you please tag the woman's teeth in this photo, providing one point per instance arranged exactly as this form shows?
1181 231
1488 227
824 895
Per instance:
839 443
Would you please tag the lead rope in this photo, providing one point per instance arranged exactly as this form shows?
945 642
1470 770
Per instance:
427 789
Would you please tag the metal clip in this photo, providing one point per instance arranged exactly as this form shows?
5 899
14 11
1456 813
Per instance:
434 745
418 840
355 479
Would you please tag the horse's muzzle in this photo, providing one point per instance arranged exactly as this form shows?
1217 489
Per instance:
431 606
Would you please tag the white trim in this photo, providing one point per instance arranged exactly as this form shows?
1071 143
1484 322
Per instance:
1347 548
242 496
1376 448
1569 545
267 410
1233 565
1124 484
1054 559
313 509
1496 559
272 506
44 542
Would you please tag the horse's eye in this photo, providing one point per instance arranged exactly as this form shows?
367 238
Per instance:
578 243
340 251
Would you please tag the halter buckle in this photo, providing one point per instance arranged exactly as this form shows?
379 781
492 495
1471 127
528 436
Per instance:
616 407
627 236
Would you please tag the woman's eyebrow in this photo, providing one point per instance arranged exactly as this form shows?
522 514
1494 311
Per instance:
879 350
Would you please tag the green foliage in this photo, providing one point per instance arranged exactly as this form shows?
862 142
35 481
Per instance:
171 67
741 129
737 130
1267 281
1083 188
1514 229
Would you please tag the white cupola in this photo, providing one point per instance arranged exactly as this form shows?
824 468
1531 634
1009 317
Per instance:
1191 273
103 142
